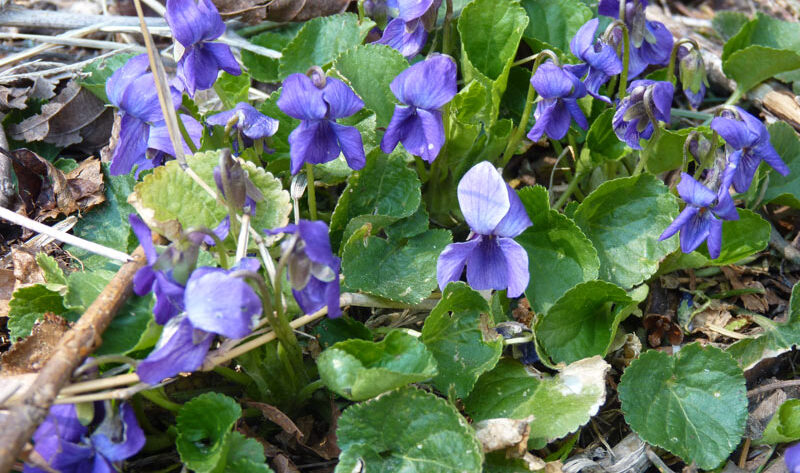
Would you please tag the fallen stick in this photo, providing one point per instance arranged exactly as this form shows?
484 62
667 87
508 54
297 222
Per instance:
20 421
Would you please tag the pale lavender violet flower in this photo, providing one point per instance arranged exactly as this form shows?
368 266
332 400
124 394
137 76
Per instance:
215 303
143 138
750 139
422 89
651 41
496 215
600 59
631 120
701 219
155 276
792 458
313 270
560 91
66 446
194 25
317 104
250 124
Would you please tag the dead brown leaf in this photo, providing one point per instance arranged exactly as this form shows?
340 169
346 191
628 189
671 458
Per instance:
274 415
707 321
302 10
47 192
30 354
7 281
658 326
26 270
754 302
67 119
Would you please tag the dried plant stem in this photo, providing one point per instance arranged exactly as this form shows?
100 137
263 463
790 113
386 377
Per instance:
102 383
22 419
241 246
59 235
80 42
773 386
45 47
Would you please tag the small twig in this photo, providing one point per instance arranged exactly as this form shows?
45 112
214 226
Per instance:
773 386
81 340
35 226
727 333
783 247
745 452
102 383
657 461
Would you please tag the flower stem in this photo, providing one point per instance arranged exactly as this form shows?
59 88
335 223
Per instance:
673 56
312 197
562 199
235 376
448 21
361 11
157 397
626 59
185 135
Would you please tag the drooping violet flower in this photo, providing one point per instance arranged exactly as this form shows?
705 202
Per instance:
651 41
64 445
143 132
751 142
318 103
792 458
422 89
600 59
496 215
408 32
692 73
312 269
701 219
560 91
215 303
194 24
243 195
168 292
632 120
249 123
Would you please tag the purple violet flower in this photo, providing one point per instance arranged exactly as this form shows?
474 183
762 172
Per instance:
702 217
216 303
250 124
750 140
792 458
692 72
318 103
560 91
64 445
601 60
194 25
422 89
407 33
313 270
496 215
142 129
651 41
168 292
632 121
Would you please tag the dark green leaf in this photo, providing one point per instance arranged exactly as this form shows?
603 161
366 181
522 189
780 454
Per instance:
739 66
331 331
623 218
29 304
785 190
602 142
204 426
369 69
320 40
407 430
361 369
559 254
583 322
245 455
400 270
559 404
729 22
693 404
263 68
452 332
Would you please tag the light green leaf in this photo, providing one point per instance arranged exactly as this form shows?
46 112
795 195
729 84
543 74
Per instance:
53 274
559 404
554 22
27 305
232 89
487 57
320 40
771 61
245 455
204 426
728 22
693 404
407 430
559 254
785 190
263 68
170 194
399 270
778 337
666 153
764 30
583 322
452 332
95 75
361 369
623 218
384 191
369 69
784 427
